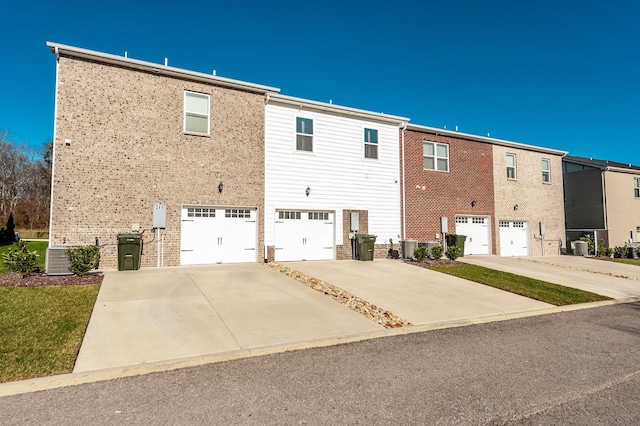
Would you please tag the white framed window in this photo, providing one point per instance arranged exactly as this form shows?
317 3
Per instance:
546 170
200 212
478 220
238 213
436 156
636 187
196 113
289 215
318 216
518 224
511 166
461 219
304 134
371 143
504 224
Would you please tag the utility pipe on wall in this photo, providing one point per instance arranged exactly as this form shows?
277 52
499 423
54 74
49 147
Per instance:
403 126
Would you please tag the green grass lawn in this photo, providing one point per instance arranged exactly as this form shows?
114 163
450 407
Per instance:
41 329
540 290
38 246
628 261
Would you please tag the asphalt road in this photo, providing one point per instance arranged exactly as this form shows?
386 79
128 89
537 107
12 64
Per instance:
580 367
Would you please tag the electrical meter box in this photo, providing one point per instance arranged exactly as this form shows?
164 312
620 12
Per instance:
160 216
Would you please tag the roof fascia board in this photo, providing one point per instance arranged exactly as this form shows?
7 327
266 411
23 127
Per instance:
485 139
157 68
336 109
622 170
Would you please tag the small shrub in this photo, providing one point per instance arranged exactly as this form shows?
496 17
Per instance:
620 252
436 252
420 253
83 258
453 252
21 260
604 251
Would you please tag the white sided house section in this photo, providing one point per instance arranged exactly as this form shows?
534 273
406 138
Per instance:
218 235
476 229
304 235
514 238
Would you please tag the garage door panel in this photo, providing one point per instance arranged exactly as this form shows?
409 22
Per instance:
476 229
514 238
304 235
210 235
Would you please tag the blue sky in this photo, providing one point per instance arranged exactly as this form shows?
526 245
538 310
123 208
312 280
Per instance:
559 74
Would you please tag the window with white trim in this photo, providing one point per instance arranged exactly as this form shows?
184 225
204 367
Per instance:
478 220
289 215
436 156
511 166
304 134
371 143
200 212
318 216
518 224
546 170
636 187
461 219
238 213
504 224
196 113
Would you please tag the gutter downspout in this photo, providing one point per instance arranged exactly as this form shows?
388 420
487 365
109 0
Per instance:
604 203
53 149
403 127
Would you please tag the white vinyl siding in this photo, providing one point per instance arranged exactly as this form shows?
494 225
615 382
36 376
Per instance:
196 113
511 166
435 156
546 170
336 174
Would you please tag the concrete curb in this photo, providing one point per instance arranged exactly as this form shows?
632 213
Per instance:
72 379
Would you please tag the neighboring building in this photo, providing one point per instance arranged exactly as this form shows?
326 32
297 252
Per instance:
130 135
602 199
494 192
324 162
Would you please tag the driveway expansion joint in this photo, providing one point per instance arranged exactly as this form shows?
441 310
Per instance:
375 313
607 274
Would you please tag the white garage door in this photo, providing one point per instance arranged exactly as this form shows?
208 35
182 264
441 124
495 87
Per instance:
477 231
217 235
514 238
304 235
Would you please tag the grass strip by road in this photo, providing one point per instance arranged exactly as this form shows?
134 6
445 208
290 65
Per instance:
39 246
635 262
41 329
534 289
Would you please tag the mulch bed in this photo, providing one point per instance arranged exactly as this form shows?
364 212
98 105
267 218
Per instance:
428 262
39 280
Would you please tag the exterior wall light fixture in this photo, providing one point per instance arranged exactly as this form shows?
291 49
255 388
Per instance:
220 187
307 191
473 203
515 207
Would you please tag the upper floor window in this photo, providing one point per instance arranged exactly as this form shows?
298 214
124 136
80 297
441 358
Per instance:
546 170
436 156
370 143
511 166
304 134
196 113
636 187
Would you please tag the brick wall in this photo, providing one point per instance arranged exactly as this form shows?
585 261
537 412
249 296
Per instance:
433 194
128 152
536 201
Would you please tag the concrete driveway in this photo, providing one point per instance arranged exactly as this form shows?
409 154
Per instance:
610 279
181 313
419 295
153 315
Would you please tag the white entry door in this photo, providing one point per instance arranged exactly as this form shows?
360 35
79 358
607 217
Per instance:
514 238
218 235
476 230
304 235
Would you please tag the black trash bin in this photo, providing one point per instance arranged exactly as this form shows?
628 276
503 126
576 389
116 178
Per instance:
457 241
129 252
366 246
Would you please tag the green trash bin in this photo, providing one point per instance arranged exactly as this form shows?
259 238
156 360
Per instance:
460 239
129 252
366 246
